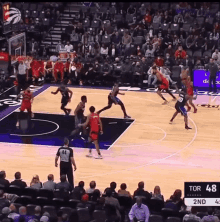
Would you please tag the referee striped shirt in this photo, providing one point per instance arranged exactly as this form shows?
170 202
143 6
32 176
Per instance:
65 153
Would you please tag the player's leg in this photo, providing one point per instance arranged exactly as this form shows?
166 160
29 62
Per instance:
188 107
87 145
174 116
123 109
184 112
106 107
96 142
67 111
160 94
192 104
169 92
77 128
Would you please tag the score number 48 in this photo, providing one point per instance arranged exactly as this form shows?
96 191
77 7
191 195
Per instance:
212 188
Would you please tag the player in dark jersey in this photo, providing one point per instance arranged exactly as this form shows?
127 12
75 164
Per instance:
79 117
26 104
95 124
112 98
66 98
66 161
164 84
179 106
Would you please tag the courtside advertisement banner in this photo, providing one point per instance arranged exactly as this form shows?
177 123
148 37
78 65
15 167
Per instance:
201 79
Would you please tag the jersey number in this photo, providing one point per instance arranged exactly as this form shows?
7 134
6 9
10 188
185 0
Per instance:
180 99
63 151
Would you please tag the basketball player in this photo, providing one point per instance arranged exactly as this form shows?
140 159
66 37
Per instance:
181 102
164 84
95 124
79 117
66 98
188 84
49 70
26 103
58 69
112 98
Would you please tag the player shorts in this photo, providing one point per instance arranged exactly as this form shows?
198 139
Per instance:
35 73
26 105
113 99
190 91
64 102
78 121
164 85
94 135
181 109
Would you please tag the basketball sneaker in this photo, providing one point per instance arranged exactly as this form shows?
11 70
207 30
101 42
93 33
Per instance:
195 111
187 127
171 122
165 102
99 157
89 155
189 108
127 117
17 124
32 115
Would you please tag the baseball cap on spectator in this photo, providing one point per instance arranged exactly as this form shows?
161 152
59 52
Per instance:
85 197
44 219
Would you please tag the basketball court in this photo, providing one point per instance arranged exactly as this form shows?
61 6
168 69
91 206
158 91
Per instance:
146 148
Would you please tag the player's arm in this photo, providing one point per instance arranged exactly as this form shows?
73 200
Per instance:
32 97
56 91
87 121
121 93
73 162
56 158
77 109
71 93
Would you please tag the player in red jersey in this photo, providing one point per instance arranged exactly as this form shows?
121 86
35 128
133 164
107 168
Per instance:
164 84
58 68
186 80
95 124
26 103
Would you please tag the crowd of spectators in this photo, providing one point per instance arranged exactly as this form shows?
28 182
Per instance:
50 201
121 41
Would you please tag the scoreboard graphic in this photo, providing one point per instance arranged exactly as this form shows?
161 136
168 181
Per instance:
202 193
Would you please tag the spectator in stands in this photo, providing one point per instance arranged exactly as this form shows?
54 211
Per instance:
79 29
188 62
50 184
59 47
138 73
126 40
3 202
101 203
131 10
139 211
126 71
95 195
192 216
18 182
35 182
157 193
123 191
142 10
23 214
198 64
21 74
199 43
12 213
180 52
63 185
113 52
190 42
79 190
168 61
92 187
74 38
113 186
188 19
104 51
209 43
3 181
205 60
215 35
37 212
157 18
84 202
216 53
148 18
69 47
150 51
178 18
109 200
210 216
175 202
141 192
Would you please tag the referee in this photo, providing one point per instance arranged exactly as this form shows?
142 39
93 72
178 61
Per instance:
21 74
66 161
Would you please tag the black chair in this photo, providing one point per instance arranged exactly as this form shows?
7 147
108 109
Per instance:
86 23
118 17
31 209
182 213
39 7
58 202
66 210
164 5
174 27
2 187
167 212
155 218
156 26
200 20
207 53
28 191
189 52
156 205
51 210
155 5
24 200
110 212
45 193
73 203
25 6
95 24
15 190
197 53
33 7
144 200
34 14
125 201
62 194
164 27
99 215
17 206
42 201
83 214
173 219
186 27
106 39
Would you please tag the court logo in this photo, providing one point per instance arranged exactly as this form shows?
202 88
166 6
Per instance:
14 16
